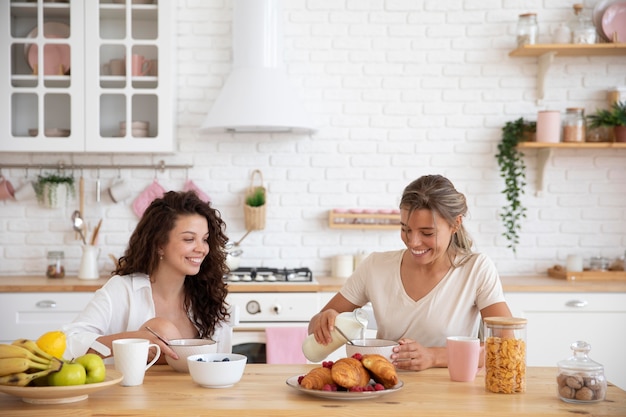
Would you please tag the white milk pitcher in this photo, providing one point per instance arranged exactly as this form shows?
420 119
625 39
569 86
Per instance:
351 323
89 263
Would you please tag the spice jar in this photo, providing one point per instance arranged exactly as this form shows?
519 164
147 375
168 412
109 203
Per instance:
574 126
580 379
505 354
527 29
55 264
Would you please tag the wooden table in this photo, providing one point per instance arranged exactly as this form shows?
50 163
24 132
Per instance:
263 392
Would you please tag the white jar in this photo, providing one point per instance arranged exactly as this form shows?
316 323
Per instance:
351 323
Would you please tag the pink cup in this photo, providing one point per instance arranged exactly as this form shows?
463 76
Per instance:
463 357
549 126
140 66
6 189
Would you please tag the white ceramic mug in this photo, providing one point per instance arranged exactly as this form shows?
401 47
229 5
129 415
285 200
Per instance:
25 192
130 357
463 357
119 191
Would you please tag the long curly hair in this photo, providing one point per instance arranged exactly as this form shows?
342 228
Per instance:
437 194
205 292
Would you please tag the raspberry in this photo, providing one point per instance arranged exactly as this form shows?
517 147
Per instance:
357 356
327 387
379 387
356 389
300 379
327 364
369 388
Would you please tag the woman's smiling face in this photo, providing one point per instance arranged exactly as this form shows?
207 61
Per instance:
426 236
187 245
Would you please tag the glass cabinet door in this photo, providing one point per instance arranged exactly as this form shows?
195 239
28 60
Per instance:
43 105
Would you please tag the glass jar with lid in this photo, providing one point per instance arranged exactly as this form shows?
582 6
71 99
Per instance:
574 125
55 267
505 354
580 379
527 29
582 28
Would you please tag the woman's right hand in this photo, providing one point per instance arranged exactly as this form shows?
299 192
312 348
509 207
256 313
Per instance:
322 324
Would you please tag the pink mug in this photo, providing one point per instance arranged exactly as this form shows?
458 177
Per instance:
6 189
140 66
463 357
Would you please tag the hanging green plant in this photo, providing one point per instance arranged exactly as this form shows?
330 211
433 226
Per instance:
54 190
513 170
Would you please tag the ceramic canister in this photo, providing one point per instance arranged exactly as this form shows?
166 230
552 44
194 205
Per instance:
549 126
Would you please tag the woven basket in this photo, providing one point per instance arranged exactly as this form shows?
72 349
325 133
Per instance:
255 216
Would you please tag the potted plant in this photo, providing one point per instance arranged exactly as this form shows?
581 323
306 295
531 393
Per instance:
614 117
513 170
54 190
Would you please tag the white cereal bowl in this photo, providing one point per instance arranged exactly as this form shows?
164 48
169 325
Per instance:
187 347
371 346
210 370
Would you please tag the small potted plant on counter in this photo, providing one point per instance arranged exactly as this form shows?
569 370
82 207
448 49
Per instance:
54 190
513 170
614 117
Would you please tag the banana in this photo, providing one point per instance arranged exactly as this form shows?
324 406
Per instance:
13 351
21 379
10 366
33 348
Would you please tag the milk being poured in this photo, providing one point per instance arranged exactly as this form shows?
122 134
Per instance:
351 323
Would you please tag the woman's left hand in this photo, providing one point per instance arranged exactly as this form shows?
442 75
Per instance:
410 355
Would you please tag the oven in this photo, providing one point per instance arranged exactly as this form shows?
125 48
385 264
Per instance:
258 310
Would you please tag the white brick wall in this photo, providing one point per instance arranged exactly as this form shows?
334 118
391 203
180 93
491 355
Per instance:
399 89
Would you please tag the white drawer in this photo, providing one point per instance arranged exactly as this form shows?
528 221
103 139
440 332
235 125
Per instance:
29 315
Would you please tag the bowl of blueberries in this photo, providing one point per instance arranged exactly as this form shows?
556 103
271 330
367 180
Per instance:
216 370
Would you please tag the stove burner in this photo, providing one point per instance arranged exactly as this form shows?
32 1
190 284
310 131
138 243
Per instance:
262 274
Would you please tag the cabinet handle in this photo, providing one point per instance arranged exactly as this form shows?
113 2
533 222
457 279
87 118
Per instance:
577 303
46 304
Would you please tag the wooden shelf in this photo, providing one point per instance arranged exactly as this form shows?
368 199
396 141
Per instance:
545 149
363 221
547 52
596 49
570 145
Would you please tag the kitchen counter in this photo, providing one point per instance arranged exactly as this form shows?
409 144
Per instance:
263 392
530 283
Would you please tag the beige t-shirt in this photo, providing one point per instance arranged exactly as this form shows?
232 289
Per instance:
452 308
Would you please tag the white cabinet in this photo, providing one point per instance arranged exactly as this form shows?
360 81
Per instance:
555 320
69 83
29 315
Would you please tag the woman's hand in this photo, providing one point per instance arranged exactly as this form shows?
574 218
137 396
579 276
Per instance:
410 355
322 324
166 330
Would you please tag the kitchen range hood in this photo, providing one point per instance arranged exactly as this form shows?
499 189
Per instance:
257 96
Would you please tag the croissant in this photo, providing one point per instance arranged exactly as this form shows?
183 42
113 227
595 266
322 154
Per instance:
349 372
381 369
317 378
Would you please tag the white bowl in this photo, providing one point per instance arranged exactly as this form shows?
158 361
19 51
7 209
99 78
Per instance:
137 124
211 371
187 347
371 346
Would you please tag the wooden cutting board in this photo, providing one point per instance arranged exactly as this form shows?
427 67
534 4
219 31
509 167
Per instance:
586 275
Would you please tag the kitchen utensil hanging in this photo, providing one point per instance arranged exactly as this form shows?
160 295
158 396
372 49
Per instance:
254 208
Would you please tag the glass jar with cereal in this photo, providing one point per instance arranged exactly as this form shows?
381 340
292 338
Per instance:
505 354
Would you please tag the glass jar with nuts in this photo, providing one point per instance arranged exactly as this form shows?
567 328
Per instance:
580 379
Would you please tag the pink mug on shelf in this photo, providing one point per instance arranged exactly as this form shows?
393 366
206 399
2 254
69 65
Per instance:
140 65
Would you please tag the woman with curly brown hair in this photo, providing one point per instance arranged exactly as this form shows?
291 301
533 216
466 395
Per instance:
170 279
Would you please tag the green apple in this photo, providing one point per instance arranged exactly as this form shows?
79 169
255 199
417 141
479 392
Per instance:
94 367
70 374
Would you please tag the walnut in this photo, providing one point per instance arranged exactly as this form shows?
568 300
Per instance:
561 380
574 381
584 394
567 392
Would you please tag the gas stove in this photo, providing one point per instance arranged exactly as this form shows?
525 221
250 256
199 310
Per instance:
262 274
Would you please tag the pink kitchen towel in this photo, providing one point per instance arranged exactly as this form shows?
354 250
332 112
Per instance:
147 196
284 345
